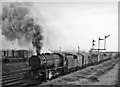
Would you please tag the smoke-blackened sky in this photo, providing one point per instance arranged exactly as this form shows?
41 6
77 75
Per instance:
20 24
76 24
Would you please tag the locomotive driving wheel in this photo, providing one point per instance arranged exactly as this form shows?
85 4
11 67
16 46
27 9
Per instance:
33 78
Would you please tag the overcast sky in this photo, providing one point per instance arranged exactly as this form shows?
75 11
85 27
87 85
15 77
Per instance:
76 24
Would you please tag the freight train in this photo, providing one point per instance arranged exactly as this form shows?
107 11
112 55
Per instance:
46 66
15 55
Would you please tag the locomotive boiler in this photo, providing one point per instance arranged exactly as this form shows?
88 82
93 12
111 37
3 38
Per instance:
46 61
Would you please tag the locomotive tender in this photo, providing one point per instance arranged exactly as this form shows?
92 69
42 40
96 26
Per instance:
46 66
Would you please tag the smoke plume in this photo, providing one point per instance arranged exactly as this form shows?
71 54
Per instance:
18 23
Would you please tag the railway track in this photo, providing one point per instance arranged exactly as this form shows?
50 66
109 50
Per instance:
14 79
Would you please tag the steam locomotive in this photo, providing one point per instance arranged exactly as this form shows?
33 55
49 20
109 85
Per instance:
49 65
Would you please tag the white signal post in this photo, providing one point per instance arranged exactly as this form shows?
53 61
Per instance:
99 43
105 41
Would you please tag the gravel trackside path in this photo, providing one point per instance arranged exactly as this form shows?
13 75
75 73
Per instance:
109 78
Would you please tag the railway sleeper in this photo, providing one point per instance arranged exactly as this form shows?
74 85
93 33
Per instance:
11 80
13 76
13 84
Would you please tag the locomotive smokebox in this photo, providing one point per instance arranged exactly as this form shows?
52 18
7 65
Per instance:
34 62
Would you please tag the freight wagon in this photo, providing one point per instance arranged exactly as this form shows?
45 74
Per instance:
15 55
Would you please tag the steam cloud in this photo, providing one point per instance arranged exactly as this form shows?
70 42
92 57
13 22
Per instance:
18 23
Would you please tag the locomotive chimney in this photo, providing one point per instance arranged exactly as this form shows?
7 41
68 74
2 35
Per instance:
38 51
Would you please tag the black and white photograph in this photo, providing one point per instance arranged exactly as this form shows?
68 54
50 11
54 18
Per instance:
59 43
